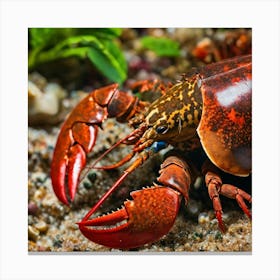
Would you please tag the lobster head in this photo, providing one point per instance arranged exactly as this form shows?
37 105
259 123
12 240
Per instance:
174 117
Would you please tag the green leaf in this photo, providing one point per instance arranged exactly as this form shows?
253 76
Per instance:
109 60
104 54
100 48
117 53
100 33
161 46
47 37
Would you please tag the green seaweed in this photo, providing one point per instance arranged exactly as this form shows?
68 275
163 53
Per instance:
99 45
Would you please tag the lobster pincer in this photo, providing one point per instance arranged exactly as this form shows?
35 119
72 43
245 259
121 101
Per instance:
150 215
146 218
78 135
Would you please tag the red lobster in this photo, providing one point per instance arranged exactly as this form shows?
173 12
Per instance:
210 109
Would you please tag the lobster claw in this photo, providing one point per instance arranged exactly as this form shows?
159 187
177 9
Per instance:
145 219
70 158
77 138
79 132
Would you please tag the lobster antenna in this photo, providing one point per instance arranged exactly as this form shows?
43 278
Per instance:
117 164
121 162
139 147
137 162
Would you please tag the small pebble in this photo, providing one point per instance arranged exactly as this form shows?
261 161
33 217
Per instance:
198 182
193 207
44 103
203 218
39 194
87 185
92 176
41 226
226 217
32 208
33 233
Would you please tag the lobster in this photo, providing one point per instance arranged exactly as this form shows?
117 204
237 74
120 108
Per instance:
209 110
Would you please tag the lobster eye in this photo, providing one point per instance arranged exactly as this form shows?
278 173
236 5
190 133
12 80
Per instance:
162 129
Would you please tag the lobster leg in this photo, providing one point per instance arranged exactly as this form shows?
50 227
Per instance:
78 135
147 217
216 187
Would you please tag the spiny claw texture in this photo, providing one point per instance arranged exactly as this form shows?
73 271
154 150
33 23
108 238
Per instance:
146 218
